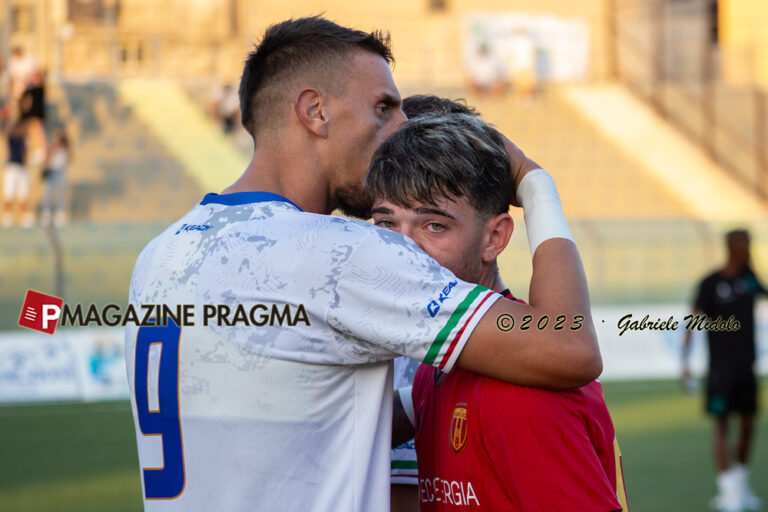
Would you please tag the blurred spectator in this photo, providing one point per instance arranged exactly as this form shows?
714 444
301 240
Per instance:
20 69
486 74
5 94
224 107
214 100
229 109
520 56
32 108
16 176
55 180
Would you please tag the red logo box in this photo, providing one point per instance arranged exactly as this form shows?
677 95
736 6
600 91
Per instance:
40 312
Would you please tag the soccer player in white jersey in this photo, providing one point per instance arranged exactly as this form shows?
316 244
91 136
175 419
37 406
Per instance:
283 400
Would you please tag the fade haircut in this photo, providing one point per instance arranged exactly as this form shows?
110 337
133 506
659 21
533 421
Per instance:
428 104
311 47
436 157
734 234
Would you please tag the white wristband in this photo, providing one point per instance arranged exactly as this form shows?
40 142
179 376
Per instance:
544 218
407 400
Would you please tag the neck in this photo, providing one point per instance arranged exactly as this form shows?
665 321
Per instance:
732 269
491 279
291 174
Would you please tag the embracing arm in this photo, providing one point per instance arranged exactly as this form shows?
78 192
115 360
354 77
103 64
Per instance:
402 428
515 342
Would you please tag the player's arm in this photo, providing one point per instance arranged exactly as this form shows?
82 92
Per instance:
761 288
685 352
402 419
698 309
552 341
404 498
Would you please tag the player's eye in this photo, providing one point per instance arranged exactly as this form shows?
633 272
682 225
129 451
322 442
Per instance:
384 223
435 227
382 108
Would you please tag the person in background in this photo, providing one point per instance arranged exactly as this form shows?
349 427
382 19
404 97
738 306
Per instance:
16 176
55 180
21 66
731 384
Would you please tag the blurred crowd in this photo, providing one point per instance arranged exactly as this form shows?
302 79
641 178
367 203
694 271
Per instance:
224 108
33 149
511 67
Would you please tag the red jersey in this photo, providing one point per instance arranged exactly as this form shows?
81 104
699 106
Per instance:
483 444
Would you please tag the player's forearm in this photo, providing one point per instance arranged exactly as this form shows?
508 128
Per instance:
558 284
686 348
402 428
547 359
550 342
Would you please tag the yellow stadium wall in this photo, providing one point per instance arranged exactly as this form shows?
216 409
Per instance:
197 38
428 44
744 41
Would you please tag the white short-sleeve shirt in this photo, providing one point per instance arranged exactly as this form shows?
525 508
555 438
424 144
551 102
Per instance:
289 407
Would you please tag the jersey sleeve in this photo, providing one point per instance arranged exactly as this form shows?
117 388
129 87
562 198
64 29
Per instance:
404 467
397 298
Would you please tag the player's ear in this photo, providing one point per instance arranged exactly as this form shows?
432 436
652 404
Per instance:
498 230
310 108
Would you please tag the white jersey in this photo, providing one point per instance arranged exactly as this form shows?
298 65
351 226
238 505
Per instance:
405 469
290 406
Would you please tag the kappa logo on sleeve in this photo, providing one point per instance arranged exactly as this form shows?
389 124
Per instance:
434 306
193 227
40 312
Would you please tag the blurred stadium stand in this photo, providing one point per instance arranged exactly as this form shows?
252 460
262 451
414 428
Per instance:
145 150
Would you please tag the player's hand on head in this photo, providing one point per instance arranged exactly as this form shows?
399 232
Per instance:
519 164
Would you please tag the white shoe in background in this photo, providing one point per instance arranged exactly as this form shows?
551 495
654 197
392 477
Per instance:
748 499
730 496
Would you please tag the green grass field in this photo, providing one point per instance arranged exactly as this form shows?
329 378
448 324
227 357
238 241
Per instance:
82 457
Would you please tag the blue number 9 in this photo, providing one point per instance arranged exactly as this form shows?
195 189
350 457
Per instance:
166 482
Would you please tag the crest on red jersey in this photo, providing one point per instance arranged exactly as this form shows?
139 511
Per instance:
458 433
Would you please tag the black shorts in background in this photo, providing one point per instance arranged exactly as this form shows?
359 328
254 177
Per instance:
730 390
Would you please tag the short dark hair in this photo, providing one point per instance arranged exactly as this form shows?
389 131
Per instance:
431 157
292 47
736 233
429 104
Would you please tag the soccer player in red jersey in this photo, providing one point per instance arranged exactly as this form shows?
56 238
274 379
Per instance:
483 444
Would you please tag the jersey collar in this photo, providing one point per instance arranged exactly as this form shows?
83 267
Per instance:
237 198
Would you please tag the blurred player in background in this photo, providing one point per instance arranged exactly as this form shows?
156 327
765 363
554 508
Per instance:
16 176
54 176
484 444
731 384
292 409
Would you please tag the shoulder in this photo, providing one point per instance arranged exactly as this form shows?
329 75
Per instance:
711 278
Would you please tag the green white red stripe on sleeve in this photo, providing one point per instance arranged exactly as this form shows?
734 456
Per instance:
451 339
